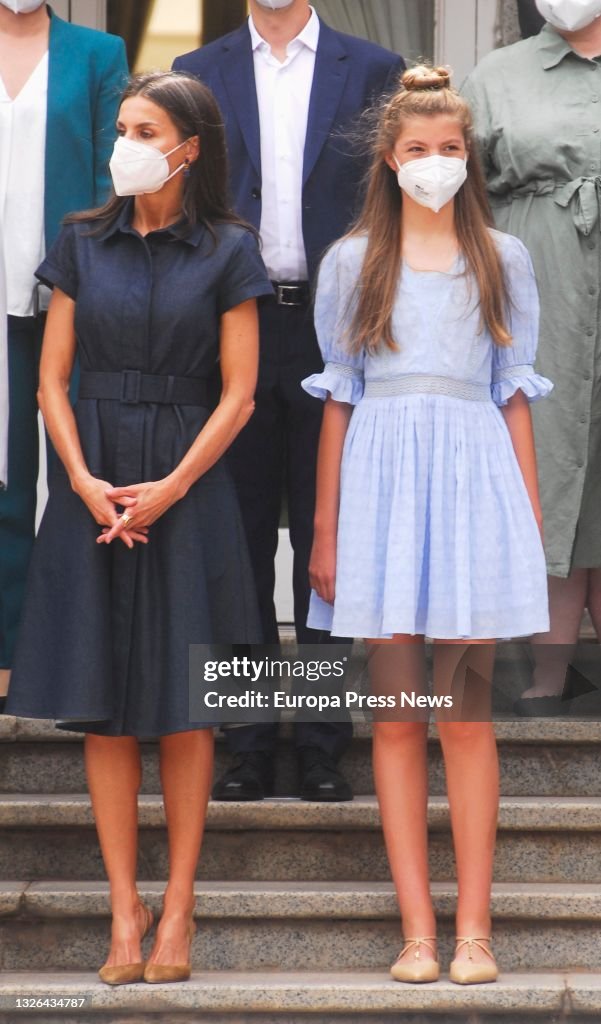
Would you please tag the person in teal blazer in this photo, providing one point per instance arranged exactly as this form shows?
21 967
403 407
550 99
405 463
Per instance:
78 90
87 73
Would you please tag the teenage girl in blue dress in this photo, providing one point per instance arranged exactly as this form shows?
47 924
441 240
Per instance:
428 518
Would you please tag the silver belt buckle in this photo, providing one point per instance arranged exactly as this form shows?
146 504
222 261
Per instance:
281 293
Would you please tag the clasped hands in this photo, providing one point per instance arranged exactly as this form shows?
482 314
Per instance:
141 505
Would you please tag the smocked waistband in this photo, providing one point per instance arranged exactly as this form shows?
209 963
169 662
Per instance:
426 383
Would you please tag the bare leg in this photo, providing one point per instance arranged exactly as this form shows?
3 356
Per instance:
401 777
471 765
553 650
4 681
186 762
114 774
593 599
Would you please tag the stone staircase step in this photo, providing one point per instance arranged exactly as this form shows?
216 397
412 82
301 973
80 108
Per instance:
550 757
541 839
329 998
516 813
51 926
326 900
560 730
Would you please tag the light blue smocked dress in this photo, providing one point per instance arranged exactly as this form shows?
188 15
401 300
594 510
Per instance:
436 533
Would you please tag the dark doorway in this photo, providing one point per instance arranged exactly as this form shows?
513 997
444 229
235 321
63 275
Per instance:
221 16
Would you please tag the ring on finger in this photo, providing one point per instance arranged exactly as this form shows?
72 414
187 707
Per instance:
126 518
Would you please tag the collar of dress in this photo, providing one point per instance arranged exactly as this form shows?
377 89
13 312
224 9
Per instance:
552 47
182 231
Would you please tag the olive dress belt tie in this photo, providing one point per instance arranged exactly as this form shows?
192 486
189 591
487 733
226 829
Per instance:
132 387
582 196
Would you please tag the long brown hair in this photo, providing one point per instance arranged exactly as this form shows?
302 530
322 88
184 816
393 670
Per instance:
424 92
194 111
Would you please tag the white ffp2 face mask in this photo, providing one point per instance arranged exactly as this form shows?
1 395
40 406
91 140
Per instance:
22 6
569 15
274 5
138 169
432 180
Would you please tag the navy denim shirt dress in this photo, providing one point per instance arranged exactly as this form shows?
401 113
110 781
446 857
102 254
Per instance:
104 637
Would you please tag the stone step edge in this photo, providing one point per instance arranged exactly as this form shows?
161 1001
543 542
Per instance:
532 814
232 992
35 901
566 731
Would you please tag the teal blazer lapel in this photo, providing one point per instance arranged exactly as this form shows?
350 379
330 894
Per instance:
60 88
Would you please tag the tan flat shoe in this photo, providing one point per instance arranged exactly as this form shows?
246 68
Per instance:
466 972
127 974
415 970
162 974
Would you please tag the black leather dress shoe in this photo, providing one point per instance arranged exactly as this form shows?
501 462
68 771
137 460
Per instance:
249 778
320 778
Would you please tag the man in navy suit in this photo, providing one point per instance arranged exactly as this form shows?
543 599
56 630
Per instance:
288 87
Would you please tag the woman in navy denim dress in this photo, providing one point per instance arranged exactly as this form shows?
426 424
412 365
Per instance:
141 550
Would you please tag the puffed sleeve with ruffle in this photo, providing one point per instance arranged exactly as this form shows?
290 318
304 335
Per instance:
342 375
512 367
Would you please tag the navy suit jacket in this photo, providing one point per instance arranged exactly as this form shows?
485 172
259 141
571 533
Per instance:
350 74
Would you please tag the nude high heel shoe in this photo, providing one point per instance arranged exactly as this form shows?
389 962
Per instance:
127 974
466 972
413 969
161 974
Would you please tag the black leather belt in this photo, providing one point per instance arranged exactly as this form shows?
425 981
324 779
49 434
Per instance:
292 293
132 387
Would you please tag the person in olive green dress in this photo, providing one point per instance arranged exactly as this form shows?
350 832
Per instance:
537 110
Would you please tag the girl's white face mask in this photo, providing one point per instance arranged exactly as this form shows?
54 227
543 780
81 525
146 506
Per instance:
22 6
138 169
432 180
569 15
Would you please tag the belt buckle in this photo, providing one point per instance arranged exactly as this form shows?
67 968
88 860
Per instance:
282 289
131 381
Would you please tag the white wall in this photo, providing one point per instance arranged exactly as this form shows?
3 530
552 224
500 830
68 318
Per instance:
464 32
85 12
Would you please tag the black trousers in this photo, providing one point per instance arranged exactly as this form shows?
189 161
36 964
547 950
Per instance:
18 501
276 455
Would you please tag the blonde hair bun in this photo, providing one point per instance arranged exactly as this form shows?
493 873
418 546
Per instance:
423 77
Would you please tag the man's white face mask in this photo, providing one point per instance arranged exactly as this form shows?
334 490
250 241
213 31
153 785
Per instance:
275 5
569 15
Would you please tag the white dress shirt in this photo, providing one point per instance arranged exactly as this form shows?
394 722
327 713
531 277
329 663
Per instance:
22 158
283 92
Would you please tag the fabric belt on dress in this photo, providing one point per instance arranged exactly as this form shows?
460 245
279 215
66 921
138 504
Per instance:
292 293
426 383
132 387
582 196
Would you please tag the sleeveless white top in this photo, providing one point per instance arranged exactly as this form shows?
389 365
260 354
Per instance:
22 159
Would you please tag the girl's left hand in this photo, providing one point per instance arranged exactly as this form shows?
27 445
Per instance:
322 567
151 499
